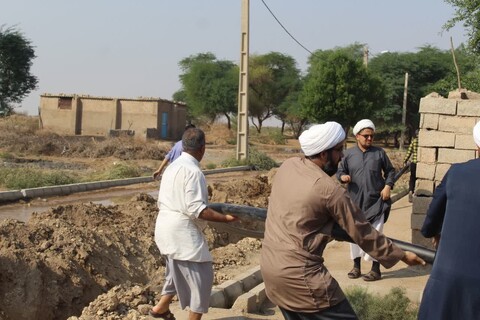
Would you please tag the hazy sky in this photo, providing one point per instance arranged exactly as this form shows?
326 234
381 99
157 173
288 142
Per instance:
128 48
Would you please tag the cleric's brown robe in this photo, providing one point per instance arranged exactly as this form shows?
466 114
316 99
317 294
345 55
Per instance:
304 204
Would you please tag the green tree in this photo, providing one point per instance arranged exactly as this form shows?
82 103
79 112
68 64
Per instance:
179 96
339 88
468 64
293 114
426 68
468 12
209 86
273 77
16 81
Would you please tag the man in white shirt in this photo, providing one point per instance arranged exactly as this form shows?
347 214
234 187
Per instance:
182 201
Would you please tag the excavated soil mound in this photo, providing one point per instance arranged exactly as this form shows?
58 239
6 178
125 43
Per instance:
100 262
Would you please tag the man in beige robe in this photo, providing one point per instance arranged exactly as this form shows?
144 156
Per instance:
304 205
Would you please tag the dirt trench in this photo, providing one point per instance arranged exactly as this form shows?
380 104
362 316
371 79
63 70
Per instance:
89 261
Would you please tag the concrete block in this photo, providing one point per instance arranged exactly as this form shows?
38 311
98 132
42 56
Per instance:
250 278
465 141
456 124
218 299
92 186
33 192
51 191
107 184
259 291
232 290
419 239
251 301
468 108
429 121
454 155
427 155
432 138
416 221
72 188
66 189
246 302
438 105
11 195
424 187
458 94
421 204
426 171
442 169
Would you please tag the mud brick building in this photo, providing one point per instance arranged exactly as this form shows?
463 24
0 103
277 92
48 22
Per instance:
100 116
445 137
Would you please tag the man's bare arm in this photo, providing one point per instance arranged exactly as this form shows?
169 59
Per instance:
212 215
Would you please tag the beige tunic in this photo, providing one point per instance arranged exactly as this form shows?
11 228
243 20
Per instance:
303 206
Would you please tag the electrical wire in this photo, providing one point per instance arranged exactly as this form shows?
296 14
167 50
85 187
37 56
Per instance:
281 25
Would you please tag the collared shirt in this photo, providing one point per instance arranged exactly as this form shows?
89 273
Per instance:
175 152
303 207
412 151
369 171
182 197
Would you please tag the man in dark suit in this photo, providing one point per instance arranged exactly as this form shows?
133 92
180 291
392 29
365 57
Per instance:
453 289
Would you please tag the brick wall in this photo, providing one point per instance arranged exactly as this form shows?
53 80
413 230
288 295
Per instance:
445 137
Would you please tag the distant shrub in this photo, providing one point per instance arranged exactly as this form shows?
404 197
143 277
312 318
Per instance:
233 162
119 170
393 306
232 141
21 124
276 136
257 159
6 155
211 166
268 135
14 179
260 160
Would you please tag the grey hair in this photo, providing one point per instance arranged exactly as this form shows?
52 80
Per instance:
193 139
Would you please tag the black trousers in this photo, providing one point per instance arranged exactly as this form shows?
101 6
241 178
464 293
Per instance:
341 311
413 177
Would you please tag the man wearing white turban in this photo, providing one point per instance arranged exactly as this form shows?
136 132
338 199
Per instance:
304 205
453 288
370 176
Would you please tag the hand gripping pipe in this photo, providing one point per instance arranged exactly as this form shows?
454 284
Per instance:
337 233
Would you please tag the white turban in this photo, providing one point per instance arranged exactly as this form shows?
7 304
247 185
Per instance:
321 137
363 124
476 134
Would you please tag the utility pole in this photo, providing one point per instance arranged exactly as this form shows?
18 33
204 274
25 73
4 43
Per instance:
242 117
365 56
404 112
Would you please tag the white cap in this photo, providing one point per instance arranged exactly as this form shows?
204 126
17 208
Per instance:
321 137
363 124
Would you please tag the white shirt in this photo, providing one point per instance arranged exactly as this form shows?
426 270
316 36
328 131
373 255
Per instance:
182 197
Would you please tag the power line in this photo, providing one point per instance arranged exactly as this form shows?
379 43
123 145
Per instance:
291 36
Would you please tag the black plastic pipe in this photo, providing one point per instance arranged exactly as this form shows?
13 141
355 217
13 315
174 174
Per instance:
337 233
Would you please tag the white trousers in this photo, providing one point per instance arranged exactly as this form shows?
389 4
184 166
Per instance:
356 251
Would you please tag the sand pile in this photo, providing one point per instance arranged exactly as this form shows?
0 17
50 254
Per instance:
100 262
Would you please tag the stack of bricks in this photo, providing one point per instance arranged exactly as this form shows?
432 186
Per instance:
445 137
